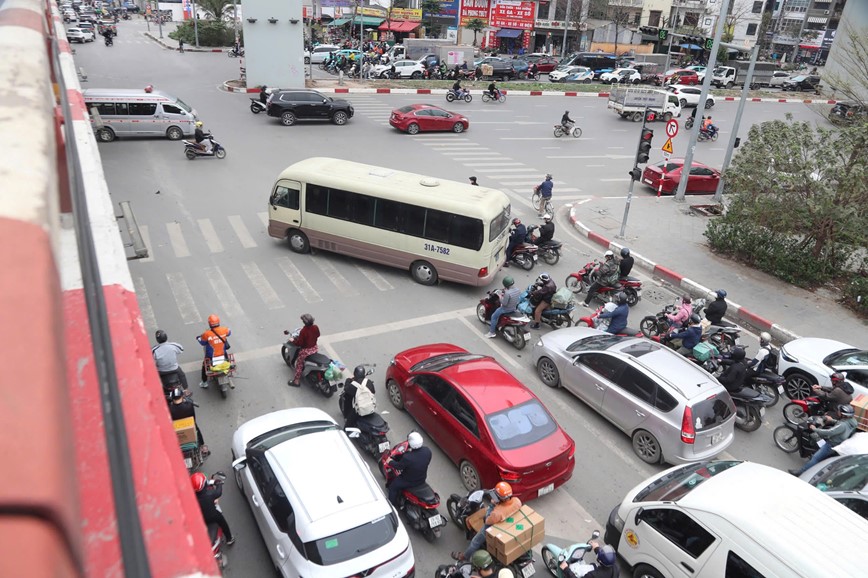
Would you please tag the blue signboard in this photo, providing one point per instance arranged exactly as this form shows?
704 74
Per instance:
448 8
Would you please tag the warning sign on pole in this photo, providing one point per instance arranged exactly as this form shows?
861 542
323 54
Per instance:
667 146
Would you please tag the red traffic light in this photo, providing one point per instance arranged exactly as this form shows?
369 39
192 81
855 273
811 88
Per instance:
647 134
650 116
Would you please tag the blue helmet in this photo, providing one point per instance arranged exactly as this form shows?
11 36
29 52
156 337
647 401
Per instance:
606 555
721 294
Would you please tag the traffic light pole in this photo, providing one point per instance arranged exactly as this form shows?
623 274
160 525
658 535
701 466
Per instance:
635 175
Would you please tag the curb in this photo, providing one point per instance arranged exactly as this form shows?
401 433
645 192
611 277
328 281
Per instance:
675 279
175 48
228 88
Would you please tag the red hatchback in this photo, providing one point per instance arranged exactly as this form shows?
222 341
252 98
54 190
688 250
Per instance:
415 118
680 76
703 179
487 422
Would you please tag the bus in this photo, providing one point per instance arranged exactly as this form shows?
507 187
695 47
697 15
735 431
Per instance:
433 228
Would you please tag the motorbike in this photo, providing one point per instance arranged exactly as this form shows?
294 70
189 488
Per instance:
465 95
555 317
550 251
191 151
585 277
109 41
658 324
525 255
750 407
219 372
602 323
513 326
316 366
560 131
257 106
768 383
799 410
170 381
486 97
689 124
373 429
708 135
724 337
553 556
235 53
792 438
215 533
845 113
419 503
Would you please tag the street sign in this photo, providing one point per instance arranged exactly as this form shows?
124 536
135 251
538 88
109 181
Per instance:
667 146
672 128
667 156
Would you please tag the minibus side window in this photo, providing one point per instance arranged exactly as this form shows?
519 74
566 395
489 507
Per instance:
143 108
171 109
680 529
738 568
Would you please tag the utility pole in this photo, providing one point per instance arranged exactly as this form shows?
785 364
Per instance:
195 24
643 150
566 28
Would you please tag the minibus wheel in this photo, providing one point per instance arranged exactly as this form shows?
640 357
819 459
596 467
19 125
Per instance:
174 133
298 241
105 134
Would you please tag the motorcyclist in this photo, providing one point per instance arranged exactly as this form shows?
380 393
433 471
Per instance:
306 342
359 379
685 310
216 344
706 124
717 308
482 564
503 505
263 94
689 337
412 466
200 136
533 70
834 431
618 315
508 304
566 122
735 373
545 190
207 493
544 290
840 393
604 567
182 407
758 364
493 90
456 88
516 238
546 231
626 264
165 355
607 276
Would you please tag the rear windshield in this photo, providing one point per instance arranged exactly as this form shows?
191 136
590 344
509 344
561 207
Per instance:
352 543
678 483
406 109
712 412
521 425
845 475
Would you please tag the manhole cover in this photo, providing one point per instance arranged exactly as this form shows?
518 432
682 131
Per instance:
658 295
707 210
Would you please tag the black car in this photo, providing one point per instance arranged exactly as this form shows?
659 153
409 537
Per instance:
803 83
846 113
293 105
500 67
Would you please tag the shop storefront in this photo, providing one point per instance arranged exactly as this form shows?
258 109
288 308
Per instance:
515 21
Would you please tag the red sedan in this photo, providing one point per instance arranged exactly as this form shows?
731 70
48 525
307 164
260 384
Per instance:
545 64
703 179
415 118
680 76
487 422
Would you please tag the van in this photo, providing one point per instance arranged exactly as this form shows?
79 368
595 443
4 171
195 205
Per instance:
735 519
138 112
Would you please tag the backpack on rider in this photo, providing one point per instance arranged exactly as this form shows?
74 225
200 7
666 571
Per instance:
364 402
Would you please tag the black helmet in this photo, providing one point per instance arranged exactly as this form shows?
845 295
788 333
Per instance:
846 410
625 252
508 282
606 555
694 318
359 373
738 353
161 336
620 298
176 393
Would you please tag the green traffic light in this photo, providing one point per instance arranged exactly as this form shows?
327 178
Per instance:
709 43
663 34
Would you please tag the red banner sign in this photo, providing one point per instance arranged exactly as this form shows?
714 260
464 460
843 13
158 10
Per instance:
512 14
471 9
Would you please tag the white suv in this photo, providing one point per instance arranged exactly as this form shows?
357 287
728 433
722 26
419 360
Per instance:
79 35
319 518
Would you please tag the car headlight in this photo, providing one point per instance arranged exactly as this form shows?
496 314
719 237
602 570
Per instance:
787 356
615 519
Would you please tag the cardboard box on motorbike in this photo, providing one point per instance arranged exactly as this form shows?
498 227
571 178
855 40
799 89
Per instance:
514 536
860 405
185 429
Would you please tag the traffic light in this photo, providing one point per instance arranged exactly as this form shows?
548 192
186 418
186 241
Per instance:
649 30
650 116
644 146
662 34
709 43
635 174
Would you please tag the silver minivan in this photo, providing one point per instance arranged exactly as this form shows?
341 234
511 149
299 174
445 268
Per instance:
672 409
122 112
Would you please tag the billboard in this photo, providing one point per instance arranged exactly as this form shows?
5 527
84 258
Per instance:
410 14
447 8
471 9
512 14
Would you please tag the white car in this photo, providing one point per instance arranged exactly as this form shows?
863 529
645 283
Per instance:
812 360
689 95
79 35
403 68
561 72
621 76
700 71
319 54
778 78
319 518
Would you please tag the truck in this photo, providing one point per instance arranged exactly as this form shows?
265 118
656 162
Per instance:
735 73
632 102
441 49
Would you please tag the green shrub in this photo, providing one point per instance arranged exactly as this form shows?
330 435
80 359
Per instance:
211 33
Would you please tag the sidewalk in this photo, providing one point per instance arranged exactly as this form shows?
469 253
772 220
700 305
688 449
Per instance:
668 236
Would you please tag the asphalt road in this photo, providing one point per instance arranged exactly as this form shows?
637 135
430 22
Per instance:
210 253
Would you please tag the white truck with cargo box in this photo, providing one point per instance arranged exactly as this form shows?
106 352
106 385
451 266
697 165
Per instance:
735 73
731 518
632 102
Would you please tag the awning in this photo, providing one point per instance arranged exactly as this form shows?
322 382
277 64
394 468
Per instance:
366 21
399 25
508 33
339 22
808 47
690 46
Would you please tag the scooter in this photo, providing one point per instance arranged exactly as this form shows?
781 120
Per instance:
581 280
486 97
419 503
257 106
549 251
191 150
109 41
372 427
215 533
513 326
800 410
553 556
464 95
219 372
525 255
750 407
792 438
318 369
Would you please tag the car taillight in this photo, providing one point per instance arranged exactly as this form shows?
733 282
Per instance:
508 475
688 433
483 272
572 452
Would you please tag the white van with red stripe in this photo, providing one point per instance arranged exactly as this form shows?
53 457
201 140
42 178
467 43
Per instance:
120 112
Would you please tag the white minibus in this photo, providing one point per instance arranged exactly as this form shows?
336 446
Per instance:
138 112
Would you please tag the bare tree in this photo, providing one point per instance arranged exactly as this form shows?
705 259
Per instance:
848 74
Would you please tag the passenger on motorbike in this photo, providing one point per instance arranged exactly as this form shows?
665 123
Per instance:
508 303
544 289
503 505
618 315
215 343
182 407
707 126
359 379
717 308
516 238
200 136
682 316
689 337
482 565
207 494
757 365
836 430
545 189
165 355
604 567
306 344
607 276
456 88
626 264
735 373
546 230
263 94
566 122
412 466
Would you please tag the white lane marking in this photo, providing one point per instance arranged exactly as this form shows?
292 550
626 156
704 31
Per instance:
496 344
146 238
529 138
228 302
263 287
615 148
485 164
583 201
338 280
613 180
375 278
608 157
298 281
241 231
212 239
176 238
148 318
514 170
263 216
481 154
183 298
463 142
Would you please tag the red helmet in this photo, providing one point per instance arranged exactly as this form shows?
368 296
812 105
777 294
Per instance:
503 490
516 221
213 320
198 481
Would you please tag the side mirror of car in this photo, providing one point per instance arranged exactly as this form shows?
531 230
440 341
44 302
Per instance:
239 464
638 517
353 432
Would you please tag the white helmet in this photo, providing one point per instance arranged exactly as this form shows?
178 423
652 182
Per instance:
547 217
415 440
765 337
608 254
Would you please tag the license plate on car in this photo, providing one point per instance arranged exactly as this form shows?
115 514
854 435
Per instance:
716 438
528 571
546 490
781 389
646 181
384 447
435 521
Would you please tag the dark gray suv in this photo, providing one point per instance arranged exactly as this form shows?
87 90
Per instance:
292 105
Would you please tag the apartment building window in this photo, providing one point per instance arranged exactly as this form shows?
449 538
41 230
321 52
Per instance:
758 7
654 17
751 30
